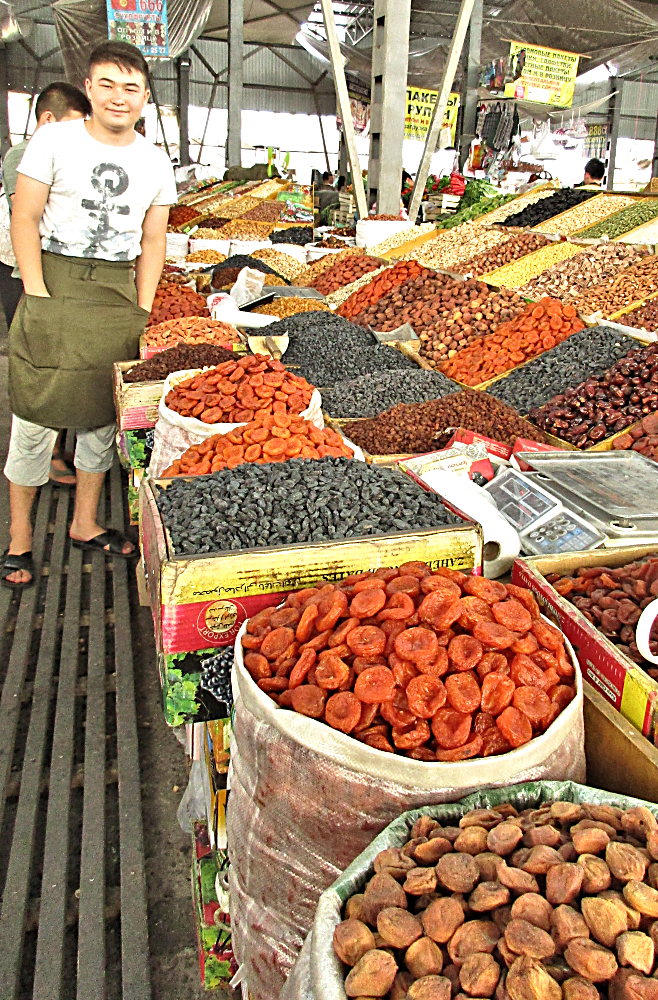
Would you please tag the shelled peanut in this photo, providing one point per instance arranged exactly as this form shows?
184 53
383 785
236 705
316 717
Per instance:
282 263
521 271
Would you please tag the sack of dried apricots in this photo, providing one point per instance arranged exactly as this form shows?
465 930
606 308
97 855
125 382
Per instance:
223 405
307 796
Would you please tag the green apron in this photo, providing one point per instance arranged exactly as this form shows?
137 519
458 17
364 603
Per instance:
62 348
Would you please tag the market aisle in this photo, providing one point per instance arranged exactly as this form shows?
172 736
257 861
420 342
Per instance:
93 646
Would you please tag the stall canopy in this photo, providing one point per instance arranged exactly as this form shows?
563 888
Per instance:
265 21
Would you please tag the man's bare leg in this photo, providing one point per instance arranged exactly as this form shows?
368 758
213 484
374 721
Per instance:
84 526
21 499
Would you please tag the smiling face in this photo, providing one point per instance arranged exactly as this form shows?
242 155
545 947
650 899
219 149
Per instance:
117 96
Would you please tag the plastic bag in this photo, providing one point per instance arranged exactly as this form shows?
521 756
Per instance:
192 806
318 974
174 434
248 286
307 799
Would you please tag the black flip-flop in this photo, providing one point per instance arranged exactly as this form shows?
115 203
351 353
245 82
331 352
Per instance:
54 474
110 537
11 564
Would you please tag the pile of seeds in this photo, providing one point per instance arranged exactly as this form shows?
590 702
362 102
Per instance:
299 235
602 406
398 239
452 248
372 394
182 358
241 229
587 214
570 278
523 201
560 201
282 263
326 371
622 222
267 211
303 500
423 427
337 298
583 355
505 253
519 272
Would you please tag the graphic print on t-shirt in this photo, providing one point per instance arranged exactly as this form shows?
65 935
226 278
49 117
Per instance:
111 181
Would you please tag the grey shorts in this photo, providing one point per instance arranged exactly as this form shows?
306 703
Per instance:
31 448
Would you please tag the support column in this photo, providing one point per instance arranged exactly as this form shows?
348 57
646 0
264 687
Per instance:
183 64
432 137
390 59
342 157
470 104
614 134
340 83
235 80
5 139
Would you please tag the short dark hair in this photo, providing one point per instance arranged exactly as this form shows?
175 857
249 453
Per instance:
60 98
326 175
595 169
120 54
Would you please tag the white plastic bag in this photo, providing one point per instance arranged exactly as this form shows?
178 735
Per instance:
306 800
249 286
174 433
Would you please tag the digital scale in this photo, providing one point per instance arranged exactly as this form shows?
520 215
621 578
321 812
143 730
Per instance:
573 502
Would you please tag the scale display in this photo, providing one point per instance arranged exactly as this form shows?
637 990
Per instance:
521 502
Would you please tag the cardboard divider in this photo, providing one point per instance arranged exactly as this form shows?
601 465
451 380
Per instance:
136 403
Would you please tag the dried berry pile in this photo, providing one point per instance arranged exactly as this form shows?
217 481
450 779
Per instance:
423 427
438 666
613 600
299 235
372 394
182 358
180 214
286 503
190 330
505 253
538 328
344 273
384 283
643 318
268 438
174 300
603 406
236 390
554 903
643 438
583 355
559 202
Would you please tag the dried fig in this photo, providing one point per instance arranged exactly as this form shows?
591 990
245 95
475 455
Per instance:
398 928
590 960
529 980
423 958
442 918
636 949
352 939
372 976
479 975
526 939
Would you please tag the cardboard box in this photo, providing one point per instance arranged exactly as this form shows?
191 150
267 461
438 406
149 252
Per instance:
619 759
217 964
621 682
199 602
136 403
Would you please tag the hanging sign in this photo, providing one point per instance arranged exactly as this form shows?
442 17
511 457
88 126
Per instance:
359 95
420 108
143 23
545 76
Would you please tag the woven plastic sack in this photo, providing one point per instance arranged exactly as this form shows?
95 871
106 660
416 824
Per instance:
174 434
307 799
318 974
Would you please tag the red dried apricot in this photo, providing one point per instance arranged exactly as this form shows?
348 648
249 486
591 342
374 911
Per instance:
404 585
403 670
309 700
473 610
331 672
532 702
306 623
419 645
343 711
396 711
276 642
438 667
526 597
398 607
465 652
492 634
497 693
547 635
426 695
411 738
492 663
451 728
515 726
449 588
464 752
440 611
375 684
367 603
302 667
366 640
512 615
463 692
487 590
330 610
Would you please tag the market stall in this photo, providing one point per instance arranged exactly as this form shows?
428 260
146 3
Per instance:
382 532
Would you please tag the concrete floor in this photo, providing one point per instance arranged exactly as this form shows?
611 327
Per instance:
174 965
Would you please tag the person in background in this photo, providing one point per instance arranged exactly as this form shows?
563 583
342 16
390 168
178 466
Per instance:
88 226
594 173
58 102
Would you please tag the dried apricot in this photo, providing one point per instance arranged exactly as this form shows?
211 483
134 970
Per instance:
465 652
487 590
426 695
497 693
366 640
440 611
515 726
463 692
493 635
451 728
342 711
309 700
375 684
419 645
533 703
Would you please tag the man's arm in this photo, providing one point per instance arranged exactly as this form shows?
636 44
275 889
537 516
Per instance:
151 260
27 208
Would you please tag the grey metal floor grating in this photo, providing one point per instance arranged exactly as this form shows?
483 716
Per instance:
73 923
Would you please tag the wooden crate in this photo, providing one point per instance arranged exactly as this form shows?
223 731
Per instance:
619 758
136 403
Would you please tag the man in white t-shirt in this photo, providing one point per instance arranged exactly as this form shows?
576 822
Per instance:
92 200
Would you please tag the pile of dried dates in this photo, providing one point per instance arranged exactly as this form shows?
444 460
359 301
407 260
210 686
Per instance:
554 903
